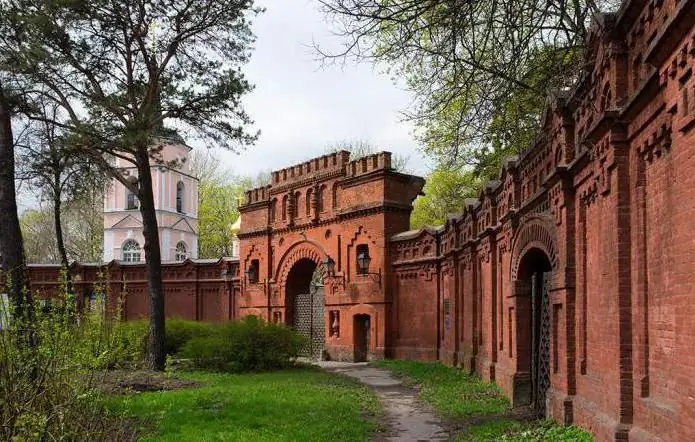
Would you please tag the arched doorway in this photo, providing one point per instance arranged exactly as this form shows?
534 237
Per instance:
361 332
305 305
533 325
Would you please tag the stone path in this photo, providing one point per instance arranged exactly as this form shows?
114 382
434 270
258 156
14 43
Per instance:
408 419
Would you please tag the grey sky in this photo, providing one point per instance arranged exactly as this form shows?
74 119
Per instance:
301 108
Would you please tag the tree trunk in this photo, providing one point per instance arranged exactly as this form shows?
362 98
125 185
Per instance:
12 261
60 241
153 259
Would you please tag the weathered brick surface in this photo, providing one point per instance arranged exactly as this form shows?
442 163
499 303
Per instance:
203 290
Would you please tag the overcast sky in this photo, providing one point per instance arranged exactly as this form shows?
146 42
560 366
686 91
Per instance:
301 107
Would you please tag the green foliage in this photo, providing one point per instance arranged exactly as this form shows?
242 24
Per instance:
479 407
220 192
217 211
110 344
445 192
508 430
293 405
180 331
82 224
449 391
246 345
480 72
48 386
38 233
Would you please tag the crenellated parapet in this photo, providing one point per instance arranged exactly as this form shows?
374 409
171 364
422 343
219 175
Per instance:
369 163
314 168
326 190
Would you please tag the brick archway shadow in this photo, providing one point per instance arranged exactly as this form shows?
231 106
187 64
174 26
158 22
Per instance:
534 254
536 232
299 251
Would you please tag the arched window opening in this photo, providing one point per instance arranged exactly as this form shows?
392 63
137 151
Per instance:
295 209
273 210
363 259
179 196
309 194
335 196
130 252
322 193
253 271
181 252
285 202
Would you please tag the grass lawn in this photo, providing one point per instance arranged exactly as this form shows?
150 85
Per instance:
479 408
302 404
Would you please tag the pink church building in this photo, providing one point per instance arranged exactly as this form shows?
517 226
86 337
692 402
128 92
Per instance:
176 202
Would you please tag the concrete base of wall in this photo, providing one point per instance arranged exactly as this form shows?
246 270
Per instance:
521 389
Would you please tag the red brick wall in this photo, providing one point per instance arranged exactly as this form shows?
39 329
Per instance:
194 289
607 196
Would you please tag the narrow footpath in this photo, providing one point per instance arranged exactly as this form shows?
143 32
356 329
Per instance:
407 418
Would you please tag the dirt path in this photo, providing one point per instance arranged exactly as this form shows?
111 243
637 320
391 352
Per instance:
407 418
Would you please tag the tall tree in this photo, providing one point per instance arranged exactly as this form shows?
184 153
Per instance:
219 192
120 70
84 225
46 164
444 194
83 229
479 69
38 233
12 260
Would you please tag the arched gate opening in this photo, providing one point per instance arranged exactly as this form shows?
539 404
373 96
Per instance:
305 305
533 325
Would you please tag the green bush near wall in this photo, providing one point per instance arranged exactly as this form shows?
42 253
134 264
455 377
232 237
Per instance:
250 344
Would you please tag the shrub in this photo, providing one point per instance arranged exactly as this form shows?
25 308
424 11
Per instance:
111 344
209 352
179 331
246 345
48 386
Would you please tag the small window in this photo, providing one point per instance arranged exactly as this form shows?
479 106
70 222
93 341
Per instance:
309 194
285 203
321 196
131 203
97 303
179 196
295 208
252 271
130 252
363 259
334 321
273 210
181 252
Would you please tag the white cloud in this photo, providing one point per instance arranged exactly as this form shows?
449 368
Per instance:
301 108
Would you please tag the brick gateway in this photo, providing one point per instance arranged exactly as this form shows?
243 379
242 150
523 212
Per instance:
570 281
